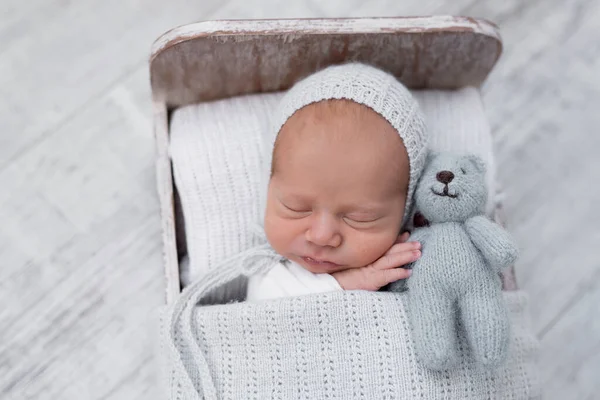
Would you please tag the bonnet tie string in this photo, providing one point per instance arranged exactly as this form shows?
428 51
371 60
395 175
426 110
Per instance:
183 324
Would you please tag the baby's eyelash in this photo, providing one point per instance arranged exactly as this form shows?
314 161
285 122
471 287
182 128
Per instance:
361 221
294 210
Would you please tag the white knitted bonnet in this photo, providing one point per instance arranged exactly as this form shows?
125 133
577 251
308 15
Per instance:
367 85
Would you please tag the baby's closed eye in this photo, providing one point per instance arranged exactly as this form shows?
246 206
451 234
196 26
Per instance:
362 218
361 221
298 209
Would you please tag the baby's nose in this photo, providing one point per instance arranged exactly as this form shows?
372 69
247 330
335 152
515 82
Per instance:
445 177
323 231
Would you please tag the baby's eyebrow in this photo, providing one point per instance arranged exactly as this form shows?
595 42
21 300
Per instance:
292 196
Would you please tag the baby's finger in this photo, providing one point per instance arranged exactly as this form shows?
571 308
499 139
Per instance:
393 260
402 247
402 238
395 274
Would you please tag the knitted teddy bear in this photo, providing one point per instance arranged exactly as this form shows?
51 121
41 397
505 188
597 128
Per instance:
456 281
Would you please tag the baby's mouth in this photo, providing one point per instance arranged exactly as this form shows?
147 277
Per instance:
445 193
320 263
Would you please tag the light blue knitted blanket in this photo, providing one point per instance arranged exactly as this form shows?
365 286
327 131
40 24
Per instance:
340 345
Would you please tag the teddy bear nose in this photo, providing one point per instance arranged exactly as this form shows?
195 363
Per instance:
445 177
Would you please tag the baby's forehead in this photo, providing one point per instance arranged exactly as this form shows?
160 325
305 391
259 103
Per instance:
342 122
343 138
332 108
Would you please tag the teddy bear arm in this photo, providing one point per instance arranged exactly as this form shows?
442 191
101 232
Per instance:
494 242
418 235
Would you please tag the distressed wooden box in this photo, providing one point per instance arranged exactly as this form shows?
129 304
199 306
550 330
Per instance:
220 59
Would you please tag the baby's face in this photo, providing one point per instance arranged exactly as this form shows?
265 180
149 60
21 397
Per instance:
337 194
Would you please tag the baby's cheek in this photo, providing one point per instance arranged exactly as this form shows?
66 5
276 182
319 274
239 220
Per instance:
280 234
370 247
275 233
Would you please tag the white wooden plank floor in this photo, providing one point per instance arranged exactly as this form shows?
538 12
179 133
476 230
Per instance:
80 251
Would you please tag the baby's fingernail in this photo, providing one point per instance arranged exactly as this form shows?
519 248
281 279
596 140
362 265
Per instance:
409 272
417 253
417 245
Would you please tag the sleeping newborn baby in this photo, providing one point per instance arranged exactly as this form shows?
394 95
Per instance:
349 145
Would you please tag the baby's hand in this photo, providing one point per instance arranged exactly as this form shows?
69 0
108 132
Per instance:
384 270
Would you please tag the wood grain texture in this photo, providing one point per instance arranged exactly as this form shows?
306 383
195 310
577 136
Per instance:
82 246
172 223
81 268
70 53
213 60
546 96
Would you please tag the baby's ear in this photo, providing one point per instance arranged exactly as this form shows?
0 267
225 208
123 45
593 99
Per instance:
477 162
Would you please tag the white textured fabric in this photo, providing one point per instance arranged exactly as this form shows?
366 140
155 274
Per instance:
288 279
350 345
216 150
367 85
217 153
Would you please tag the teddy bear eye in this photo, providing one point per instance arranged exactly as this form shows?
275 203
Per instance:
463 171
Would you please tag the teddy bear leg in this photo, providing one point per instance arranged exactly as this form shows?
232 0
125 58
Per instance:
486 322
433 330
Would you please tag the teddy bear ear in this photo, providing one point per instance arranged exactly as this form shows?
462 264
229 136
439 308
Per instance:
431 154
477 162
